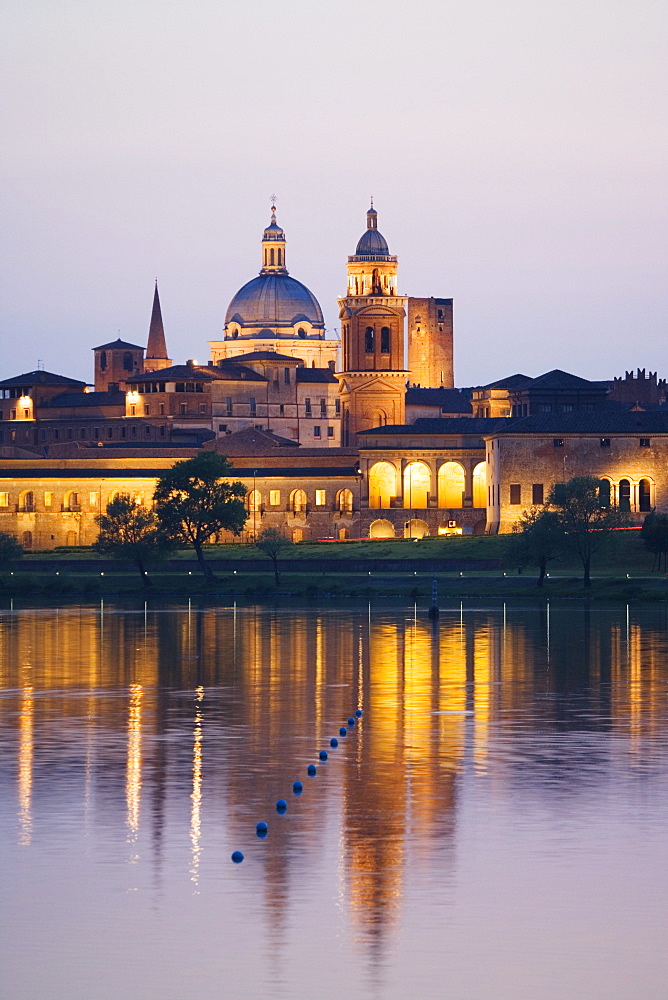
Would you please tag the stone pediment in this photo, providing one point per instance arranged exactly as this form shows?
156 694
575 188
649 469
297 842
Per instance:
379 384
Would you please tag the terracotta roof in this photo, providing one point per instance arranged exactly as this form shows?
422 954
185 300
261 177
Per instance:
118 345
40 377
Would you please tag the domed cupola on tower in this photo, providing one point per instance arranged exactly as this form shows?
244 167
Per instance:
372 269
273 308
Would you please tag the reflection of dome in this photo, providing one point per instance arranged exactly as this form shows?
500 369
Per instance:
274 299
371 243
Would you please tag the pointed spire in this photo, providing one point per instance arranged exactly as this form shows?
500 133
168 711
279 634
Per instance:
156 347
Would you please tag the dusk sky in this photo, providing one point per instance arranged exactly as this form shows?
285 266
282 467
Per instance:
516 153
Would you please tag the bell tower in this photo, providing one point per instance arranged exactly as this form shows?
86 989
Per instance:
372 384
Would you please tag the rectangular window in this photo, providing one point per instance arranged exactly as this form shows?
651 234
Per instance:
566 407
133 410
162 409
4 499
320 498
337 407
48 499
307 404
644 442
69 433
281 410
385 340
323 408
286 376
162 430
12 414
202 407
330 432
92 499
558 442
222 428
537 493
316 432
147 410
228 405
147 430
605 442
253 406
274 497
96 433
110 433
184 410
123 432
515 493
133 431
545 408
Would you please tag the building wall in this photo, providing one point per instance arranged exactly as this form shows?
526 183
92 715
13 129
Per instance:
529 460
430 342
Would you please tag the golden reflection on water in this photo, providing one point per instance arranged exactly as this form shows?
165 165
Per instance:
435 696
196 794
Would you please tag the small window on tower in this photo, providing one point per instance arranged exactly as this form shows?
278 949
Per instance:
368 340
385 340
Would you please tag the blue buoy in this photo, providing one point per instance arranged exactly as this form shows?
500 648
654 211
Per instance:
359 713
343 731
333 742
281 806
323 755
237 857
351 721
297 787
261 828
311 769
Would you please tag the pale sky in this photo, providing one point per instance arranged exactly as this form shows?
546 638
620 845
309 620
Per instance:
516 153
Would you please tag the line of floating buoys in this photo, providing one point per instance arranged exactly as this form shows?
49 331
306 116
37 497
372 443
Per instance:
262 828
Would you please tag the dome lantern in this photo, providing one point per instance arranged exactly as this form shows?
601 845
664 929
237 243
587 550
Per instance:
273 247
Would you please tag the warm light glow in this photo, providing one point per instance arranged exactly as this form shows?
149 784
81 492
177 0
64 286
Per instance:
133 772
196 795
25 766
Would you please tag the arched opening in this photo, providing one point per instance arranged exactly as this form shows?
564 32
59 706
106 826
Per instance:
26 539
385 340
280 256
480 485
301 332
103 361
644 496
624 495
382 484
417 485
27 502
127 362
72 501
381 529
343 533
451 485
254 501
298 502
604 493
368 340
344 501
271 256
379 418
416 528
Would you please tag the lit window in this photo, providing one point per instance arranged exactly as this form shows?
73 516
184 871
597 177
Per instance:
48 499
92 499
274 497
320 498
4 499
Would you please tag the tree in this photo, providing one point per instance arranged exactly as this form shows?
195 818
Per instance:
132 533
10 549
272 542
194 502
538 538
654 535
586 523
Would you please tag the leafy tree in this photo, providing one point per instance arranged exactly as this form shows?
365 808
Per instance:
586 523
538 538
10 549
132 533
654 535
194 502
272 542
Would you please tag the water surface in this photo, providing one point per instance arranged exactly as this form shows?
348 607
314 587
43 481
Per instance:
493 829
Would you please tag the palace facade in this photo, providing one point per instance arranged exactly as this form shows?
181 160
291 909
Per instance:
362 437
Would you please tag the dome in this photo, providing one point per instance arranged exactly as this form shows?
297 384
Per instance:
371 244
274 299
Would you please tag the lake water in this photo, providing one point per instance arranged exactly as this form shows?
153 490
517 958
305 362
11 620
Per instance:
494 828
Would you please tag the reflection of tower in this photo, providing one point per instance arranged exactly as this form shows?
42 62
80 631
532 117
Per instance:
372 313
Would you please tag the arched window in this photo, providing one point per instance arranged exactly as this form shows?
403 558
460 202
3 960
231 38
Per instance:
385 340
382 484
644 496
451 485
301 332
344 501
28 502
417 485
480 485
103 361
254 500
624 494
279 252
298 501
604 493
368 340
127 362
72 501
416 528
271 256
